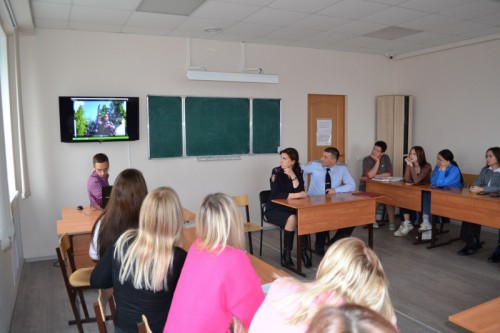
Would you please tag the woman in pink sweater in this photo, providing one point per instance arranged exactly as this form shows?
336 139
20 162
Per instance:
218 284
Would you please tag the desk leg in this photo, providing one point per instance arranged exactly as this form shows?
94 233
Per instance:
370 235
299 253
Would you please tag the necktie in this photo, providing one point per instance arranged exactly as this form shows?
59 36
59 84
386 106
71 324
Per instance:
328 180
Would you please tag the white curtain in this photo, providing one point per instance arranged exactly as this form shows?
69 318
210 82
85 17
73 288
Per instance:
24 176
6 224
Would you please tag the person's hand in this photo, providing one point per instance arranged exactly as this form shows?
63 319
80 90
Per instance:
409 162
331 191
476 189
375 158
289 172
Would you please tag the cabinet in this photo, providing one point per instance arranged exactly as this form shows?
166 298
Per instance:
394 126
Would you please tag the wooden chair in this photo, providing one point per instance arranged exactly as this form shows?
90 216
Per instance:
263 198
143 326
242 201
100 313
75 282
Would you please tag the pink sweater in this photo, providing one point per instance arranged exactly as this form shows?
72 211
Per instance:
271 318
212 289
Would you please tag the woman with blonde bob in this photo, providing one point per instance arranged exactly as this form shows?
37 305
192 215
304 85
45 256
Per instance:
218 283
144 265
350 272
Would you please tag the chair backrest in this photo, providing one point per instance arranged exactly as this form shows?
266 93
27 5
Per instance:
144 326
242 201
99 309
469 178
65 256
263 198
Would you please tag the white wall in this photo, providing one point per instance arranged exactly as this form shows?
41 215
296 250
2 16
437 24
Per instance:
58 63
457 101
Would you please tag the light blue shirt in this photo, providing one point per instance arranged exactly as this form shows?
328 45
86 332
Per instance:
341 178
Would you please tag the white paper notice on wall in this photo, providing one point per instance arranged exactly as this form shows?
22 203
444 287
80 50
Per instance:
323 132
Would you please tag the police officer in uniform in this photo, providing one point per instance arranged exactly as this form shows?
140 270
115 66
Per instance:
287 182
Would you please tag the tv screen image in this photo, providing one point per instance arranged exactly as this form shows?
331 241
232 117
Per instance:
87 119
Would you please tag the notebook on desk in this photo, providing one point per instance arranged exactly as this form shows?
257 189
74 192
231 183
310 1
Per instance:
106 193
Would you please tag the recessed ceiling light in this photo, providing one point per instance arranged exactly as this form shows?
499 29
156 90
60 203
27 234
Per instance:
212 30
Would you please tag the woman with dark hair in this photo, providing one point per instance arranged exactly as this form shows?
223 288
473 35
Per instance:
446 174
121 213
487 182
287 182
417 171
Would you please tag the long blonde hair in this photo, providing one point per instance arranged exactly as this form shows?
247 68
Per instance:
352 271
219 223
149 257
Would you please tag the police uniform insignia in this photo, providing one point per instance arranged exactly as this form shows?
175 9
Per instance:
273 178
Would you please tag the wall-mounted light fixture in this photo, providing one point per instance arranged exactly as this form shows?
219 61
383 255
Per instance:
202 75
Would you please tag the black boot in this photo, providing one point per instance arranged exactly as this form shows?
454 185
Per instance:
286 256
304 247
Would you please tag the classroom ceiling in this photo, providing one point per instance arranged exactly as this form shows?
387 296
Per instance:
385 27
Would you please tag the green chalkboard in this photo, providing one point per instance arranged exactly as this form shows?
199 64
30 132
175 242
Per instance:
266 125
212 126
165 126
217 126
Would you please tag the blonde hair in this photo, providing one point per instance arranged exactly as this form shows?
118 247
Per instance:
219 223
149 257
352 271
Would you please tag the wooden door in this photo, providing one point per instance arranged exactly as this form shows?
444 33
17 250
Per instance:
324 110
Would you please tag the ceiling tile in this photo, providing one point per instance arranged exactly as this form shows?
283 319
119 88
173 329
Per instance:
433 6
429 22
153 20
359 28
198 24
53 11
110 4
94 26
275 17
474 10
250 29
319 22
460 28
309 6
353 9
224 11
394 16
99 15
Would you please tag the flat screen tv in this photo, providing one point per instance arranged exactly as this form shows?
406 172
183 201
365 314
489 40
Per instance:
91 119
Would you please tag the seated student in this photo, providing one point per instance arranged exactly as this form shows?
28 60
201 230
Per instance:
121 213
349 318
145 263
446 174
417 171
98 179
329 177
350 272
487 182
218 282
378 164
287 182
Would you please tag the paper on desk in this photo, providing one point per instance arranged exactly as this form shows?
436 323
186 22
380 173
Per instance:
387 179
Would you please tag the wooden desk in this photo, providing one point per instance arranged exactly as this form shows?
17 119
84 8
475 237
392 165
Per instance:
398 194
79 226
463 205
330 212
483 318
79 223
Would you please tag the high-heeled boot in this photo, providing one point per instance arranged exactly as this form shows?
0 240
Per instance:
286 256
304 247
